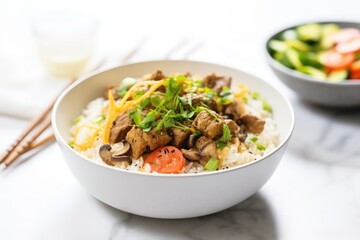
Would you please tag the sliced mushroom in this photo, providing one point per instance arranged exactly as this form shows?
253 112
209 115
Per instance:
120 148
191 154
115 153
206 147
191 140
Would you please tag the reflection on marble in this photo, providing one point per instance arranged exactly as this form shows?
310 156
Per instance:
327 136
251 219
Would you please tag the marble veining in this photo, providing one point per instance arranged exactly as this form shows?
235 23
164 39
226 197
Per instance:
251 219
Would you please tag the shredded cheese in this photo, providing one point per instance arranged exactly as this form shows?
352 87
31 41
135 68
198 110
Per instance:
243 90
114 108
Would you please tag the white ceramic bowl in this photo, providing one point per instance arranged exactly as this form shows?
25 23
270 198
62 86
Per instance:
324 93
167 196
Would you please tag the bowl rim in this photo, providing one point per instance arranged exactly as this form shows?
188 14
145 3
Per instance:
302 76
63 143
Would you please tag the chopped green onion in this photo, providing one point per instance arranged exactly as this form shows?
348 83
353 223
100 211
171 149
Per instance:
121 91
254 139
260 147
99 119
255 95
71 144
266 106
212 164
78 119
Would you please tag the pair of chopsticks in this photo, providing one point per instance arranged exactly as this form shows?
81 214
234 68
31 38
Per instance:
28 139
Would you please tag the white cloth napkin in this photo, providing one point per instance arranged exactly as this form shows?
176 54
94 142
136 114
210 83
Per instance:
27 100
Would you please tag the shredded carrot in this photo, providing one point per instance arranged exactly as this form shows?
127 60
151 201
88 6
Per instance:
110 117
114 108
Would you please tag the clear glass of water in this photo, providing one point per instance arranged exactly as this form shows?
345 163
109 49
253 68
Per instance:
65 41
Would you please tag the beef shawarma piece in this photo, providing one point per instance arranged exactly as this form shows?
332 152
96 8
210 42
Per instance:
121 126
236 109
158 75
209 124
197 99
217 82
252 124
248 122
179 137
141 141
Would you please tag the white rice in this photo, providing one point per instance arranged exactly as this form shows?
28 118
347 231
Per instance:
238 153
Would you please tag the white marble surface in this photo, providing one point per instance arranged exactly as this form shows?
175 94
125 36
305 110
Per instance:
314 193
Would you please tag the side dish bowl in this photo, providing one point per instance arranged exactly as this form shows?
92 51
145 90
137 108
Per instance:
167 195
318 91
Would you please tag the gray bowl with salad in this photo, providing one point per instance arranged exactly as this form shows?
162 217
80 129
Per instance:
320 61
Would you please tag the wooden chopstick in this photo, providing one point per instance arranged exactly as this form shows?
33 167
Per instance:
46 140
19 146
25 144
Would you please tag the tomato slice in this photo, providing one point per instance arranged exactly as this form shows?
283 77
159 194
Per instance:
355 71
334 60
166 159
349 47
345 35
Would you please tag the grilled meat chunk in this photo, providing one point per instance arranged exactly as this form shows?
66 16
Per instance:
197 99
141 141
158 75
217 82
179 137
252 124
209 125
121 126
236 109
234 128
206 147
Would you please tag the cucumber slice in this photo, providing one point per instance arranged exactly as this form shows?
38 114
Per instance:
277 46
278 55
289 34
310 59
309 32
314 72
326 31
291 59
338 76
329 29
298 45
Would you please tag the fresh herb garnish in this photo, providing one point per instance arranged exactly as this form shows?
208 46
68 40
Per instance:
146 123
226 136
